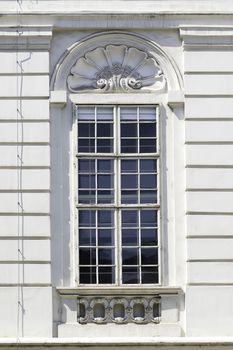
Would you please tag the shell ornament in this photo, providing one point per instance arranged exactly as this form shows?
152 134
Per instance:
115 68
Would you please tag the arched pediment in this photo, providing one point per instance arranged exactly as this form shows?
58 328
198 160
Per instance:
116 62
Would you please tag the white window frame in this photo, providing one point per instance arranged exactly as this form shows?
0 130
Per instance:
119 100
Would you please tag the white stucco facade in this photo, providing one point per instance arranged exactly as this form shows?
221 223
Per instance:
41 42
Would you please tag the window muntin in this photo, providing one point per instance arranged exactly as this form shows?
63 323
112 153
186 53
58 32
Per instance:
120 178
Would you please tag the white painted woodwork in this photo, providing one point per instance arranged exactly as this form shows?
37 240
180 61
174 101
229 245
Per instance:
213 178
203 201
208 107
26 86
204 131
219 272
209 154
29 179
209 249
24 62
209 225
208 84
30 250
28 226
25 109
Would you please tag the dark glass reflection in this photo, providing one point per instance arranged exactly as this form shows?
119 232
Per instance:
129 237
105 166
106 275
105 218
130 275
86 181
147 130
130 218
147 146
104 130
129 130
86 129
148 196
129 181
148 166
86 218
86 165
149 256
87 256
88 275
86 196
86 145
150 275
148 218
129 146
129 166
104 146
129 197
129 256
105 196
87 237
105 237
104 181
149 237
148 181
105 256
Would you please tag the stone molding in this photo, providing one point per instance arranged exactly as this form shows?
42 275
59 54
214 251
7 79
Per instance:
116 68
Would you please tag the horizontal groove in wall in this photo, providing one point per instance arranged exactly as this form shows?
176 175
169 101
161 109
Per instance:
22 120
208 260
23 214
210 284
23 74
208 95
25 167
25 238
25 285
204 119
25 262
209 213
196 166
209 190
210 236
209 142
24 143
26 191
207 72
22 98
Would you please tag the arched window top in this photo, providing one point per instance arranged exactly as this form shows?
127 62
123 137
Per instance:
116 62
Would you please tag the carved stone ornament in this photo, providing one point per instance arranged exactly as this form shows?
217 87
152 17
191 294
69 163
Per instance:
115 68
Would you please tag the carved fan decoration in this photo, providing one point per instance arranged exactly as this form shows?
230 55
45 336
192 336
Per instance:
115 68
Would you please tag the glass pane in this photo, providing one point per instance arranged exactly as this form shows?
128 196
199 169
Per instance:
105 166
105 218
87 275
148 181
105 181
104 146
86 165
130 275
129 130
148 218
129 197
86 113
105 196
129 256
149 237
129 237
104 113
104 130
147 130
106 256
128 113
149 256
129 166
86 196
106 275
148 197
150 275
86 181
86 218
148 166
105 237
129 146
86 146
86 130
87 237
87 256
129 181
130 218
147 113
147 146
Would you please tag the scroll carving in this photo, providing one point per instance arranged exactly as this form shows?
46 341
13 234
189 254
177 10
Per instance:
116 68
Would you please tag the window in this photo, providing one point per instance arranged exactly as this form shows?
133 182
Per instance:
117 195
